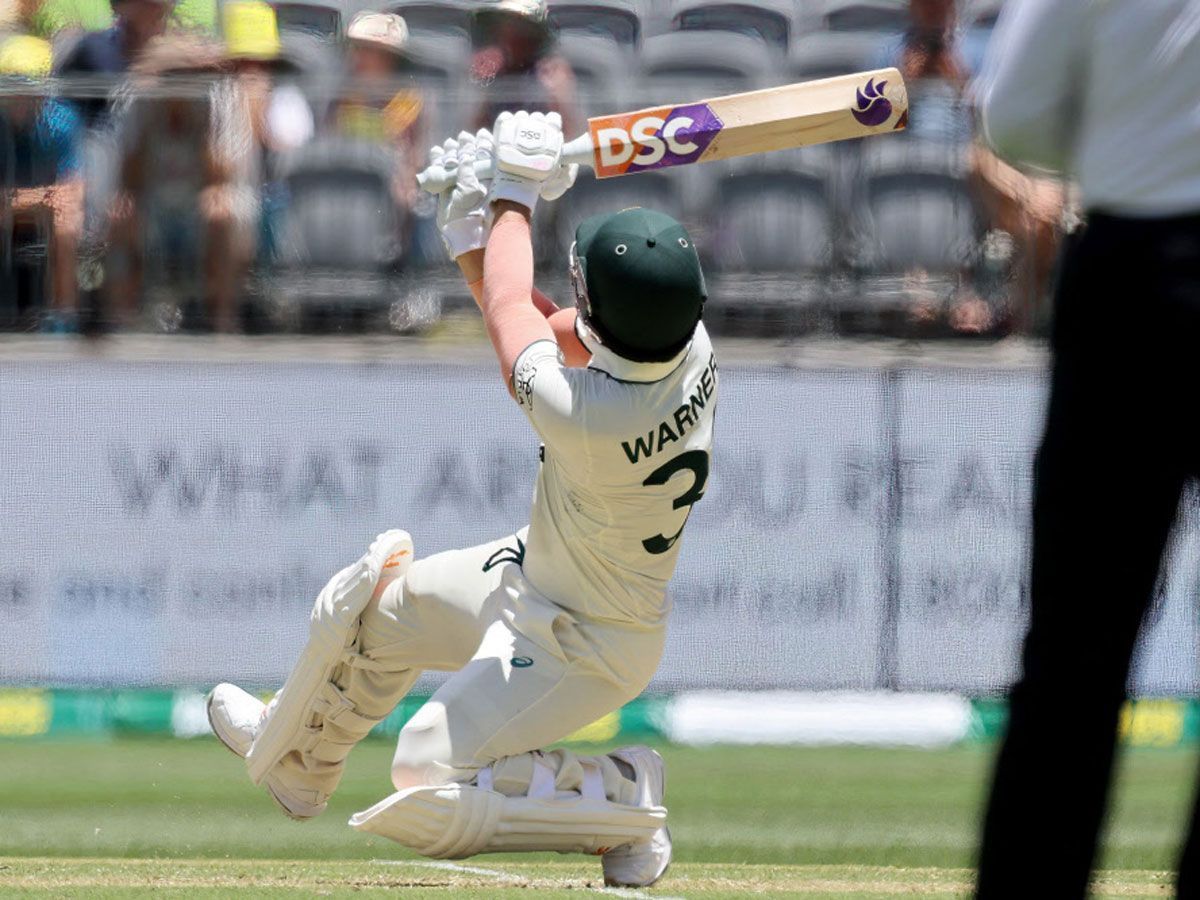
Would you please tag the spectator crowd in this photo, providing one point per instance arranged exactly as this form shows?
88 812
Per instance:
251 164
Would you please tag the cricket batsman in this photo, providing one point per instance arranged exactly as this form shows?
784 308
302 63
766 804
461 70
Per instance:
551 628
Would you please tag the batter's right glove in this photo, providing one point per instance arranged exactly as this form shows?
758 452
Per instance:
463 214
528 158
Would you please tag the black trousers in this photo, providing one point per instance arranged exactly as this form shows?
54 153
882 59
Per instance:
1120 442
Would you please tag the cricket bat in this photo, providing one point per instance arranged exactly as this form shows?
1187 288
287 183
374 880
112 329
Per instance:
778 118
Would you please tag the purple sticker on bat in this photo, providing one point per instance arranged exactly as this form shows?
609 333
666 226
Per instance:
653 138
873 108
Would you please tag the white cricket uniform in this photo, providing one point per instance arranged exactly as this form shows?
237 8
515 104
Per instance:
624 461
560 624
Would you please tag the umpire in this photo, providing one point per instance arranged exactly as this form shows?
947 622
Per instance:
1108 92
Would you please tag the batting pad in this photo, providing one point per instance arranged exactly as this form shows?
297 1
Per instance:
332 632
455 821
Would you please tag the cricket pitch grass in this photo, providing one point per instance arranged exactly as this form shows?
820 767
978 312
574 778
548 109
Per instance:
129 817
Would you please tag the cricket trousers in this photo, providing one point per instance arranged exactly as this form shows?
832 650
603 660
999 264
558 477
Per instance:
1120 441
528 673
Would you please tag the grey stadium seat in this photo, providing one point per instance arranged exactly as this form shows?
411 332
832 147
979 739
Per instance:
774 21
914 234
621 20
824 54
913 207
866 15
773 223
436 17
322 19
339 235
685 66
776 213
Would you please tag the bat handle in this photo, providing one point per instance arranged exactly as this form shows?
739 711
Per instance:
436 179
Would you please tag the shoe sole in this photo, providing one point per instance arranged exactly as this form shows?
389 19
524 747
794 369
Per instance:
270 790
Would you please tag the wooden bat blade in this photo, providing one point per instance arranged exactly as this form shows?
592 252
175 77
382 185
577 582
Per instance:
779 118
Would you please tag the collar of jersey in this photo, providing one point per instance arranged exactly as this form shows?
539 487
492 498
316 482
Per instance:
621 368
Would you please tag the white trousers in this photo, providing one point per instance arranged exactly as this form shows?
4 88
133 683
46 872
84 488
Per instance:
527 674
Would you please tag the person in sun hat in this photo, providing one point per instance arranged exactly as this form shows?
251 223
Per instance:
380 103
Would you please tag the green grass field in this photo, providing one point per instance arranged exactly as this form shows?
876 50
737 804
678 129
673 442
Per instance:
125 817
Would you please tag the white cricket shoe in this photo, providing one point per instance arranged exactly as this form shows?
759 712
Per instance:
642 863
236 718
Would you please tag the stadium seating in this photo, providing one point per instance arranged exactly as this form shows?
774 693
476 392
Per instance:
824 54
772 251
438 17
338 244
322 18
621 20
865 15
774 21
691 65
911 220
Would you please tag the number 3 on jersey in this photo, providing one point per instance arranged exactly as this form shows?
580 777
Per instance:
695 461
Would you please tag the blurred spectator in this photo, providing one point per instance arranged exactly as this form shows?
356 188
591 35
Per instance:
39 163
187 184
930 56
938 59
374 106
113 51
516 65
22 17
279 114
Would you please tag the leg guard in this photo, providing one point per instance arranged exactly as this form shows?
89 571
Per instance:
332 636
459 820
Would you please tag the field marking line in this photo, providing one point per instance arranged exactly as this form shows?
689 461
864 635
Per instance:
456 867
446 866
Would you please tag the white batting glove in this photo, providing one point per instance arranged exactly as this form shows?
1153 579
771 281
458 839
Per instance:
528 150
462 219
560 181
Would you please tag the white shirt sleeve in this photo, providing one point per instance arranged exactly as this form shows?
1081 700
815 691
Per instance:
1030 90
547 393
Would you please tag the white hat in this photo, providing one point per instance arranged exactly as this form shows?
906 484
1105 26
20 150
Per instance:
386 30
534 10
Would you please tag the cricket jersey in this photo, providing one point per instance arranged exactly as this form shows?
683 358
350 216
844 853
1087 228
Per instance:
627 453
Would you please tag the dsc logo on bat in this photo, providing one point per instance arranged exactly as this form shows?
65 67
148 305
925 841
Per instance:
652 138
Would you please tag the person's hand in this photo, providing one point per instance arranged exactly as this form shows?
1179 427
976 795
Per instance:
528 152
462 217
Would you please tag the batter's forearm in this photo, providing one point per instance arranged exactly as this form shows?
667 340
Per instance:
513 322
471 266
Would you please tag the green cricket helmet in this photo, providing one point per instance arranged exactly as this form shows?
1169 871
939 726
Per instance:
638 284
